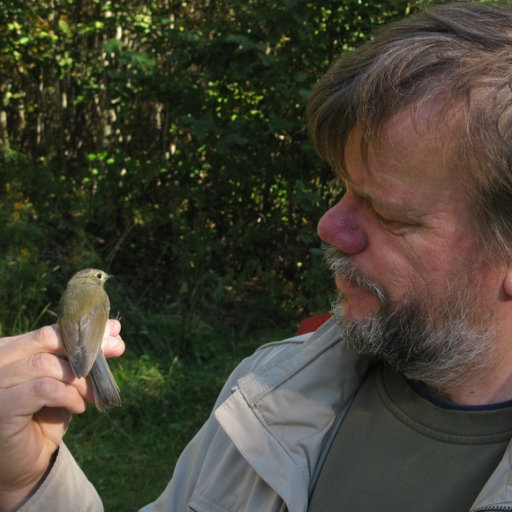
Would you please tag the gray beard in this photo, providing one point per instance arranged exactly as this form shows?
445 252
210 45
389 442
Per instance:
440 342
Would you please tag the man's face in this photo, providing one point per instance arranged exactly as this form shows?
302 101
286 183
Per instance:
410 272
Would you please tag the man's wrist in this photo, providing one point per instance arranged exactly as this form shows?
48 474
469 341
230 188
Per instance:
12 500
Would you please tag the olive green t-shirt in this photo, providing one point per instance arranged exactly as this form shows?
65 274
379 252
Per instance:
397 451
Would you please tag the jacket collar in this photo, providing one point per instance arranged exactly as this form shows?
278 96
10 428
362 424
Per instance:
280 414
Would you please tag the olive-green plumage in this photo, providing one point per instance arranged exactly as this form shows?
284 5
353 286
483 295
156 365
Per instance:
83 313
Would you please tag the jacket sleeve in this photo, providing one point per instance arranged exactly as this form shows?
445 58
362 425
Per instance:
65 488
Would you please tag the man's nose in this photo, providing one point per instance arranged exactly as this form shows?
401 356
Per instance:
341 226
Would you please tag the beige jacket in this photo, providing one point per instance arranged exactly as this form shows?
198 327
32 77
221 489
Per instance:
261 449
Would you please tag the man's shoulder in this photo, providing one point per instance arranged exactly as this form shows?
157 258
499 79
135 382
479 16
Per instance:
303 360
274 351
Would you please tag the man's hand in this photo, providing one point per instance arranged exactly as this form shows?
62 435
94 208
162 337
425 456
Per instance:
38 394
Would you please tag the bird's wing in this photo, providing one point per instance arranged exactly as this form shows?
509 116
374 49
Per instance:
92 328
70 332
83 337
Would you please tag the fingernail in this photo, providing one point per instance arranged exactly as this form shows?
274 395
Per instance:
112 341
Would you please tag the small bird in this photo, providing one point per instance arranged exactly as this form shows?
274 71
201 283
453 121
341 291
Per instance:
83 313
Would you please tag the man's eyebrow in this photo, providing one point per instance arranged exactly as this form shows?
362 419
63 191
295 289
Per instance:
359 192
385 204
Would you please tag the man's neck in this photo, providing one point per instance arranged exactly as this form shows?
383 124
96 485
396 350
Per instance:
488 386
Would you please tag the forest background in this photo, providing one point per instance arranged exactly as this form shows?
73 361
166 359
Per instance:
164 142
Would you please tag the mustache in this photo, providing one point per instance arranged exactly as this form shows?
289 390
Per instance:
341 265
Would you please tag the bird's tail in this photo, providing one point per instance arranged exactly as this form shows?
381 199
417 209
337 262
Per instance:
106 390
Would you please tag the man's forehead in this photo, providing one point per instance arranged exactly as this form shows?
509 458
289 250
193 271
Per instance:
412 135
407 168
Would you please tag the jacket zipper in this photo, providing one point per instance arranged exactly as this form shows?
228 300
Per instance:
492 508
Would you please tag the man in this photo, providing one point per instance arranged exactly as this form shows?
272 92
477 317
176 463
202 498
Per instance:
404 400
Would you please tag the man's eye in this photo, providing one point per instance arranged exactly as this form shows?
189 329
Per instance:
391 224
383 219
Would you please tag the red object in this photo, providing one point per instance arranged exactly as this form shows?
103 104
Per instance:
312 323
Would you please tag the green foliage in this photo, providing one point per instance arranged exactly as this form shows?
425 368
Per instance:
165 141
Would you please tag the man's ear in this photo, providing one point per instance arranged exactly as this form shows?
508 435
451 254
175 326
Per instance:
507 283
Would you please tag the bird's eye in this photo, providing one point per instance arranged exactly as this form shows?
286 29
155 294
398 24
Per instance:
99 276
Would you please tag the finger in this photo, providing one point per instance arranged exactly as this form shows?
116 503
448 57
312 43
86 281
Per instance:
45 339
114 327
47 334
40 365
49 418
114 346
30 397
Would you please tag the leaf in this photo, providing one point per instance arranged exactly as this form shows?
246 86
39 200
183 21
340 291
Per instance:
64 27
112 46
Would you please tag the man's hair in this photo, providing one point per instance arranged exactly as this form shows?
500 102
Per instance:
456 56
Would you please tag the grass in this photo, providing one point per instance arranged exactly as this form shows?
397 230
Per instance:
129 453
